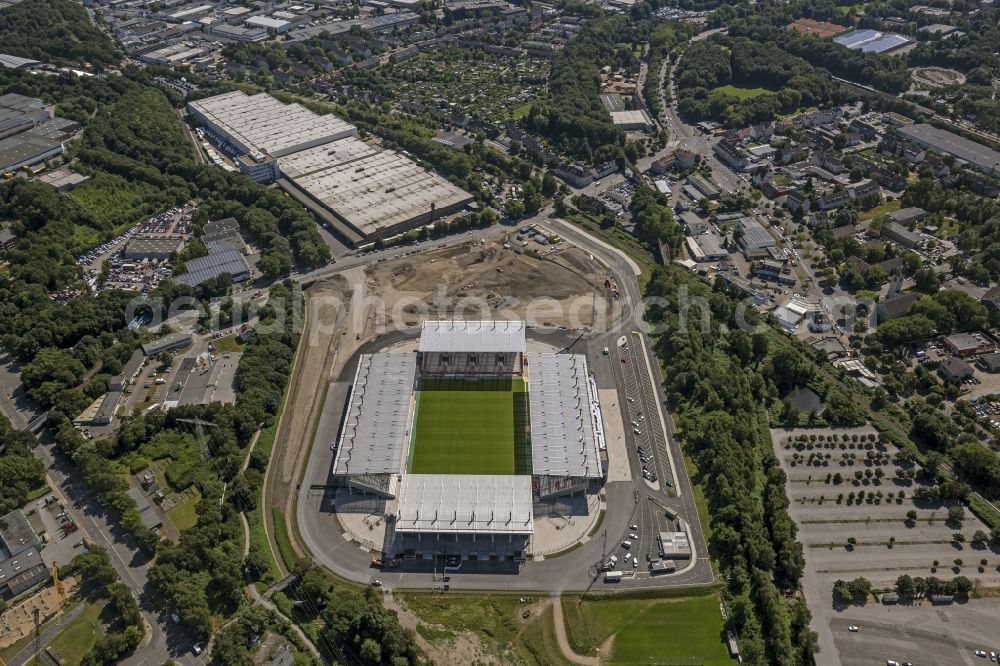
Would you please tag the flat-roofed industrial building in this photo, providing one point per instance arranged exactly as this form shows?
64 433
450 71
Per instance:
982 158
361 190
158 249
375 192
262 127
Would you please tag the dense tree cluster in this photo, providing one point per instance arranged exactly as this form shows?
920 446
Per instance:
99 581
573 117
716 384
789 83
653 220
354 621
20 472
56 31
232 645
767 24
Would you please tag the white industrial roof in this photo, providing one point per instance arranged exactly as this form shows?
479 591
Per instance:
472 336
464 503
263 126
630 118
565 416
266 22
374 436
372 189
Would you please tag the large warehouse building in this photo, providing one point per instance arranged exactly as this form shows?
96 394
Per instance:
462 436
363 191
980 157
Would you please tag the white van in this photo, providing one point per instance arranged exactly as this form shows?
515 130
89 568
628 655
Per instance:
626 544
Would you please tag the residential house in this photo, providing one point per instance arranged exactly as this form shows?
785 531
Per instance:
955 370
731 155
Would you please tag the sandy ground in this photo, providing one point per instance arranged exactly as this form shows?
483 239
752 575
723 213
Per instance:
19 621
486 282
325 327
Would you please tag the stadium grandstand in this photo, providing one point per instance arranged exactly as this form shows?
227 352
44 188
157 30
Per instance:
462 437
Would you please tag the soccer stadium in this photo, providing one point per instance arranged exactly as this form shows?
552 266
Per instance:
461 437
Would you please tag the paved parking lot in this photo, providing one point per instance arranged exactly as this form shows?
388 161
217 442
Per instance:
59 546
887 544
921 634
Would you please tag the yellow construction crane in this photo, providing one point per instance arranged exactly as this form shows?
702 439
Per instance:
57 584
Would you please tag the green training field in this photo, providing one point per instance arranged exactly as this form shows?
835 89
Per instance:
470 426
685 630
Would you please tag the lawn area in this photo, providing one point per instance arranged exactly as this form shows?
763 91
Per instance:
879 210
648 630
468 426
281 539
77 637
228 344
740 92
520 111
496 620
184 515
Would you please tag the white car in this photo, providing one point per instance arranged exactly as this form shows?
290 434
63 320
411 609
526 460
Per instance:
633 536
196 648
980 653
628 556
853 628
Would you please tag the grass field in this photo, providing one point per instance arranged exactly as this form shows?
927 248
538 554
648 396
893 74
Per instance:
497 621
740 92
883 208
649 630
469 426
77 637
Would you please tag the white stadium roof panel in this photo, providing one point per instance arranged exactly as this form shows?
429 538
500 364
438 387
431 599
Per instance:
565 418
464 503
374 435
472 336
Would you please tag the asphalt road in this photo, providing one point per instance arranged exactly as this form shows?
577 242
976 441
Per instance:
164 641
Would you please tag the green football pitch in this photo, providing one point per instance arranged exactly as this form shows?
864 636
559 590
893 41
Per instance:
470 426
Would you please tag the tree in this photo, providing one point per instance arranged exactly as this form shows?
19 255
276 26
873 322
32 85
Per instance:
911 516
956 515
513 208
371 652
958 537
980 537
905 586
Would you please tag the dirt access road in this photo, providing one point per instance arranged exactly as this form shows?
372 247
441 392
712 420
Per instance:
323 327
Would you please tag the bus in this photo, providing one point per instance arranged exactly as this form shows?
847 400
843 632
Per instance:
612 576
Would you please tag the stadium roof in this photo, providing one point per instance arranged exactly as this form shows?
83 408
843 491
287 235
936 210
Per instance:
563 416
472 336
459 503
374 436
